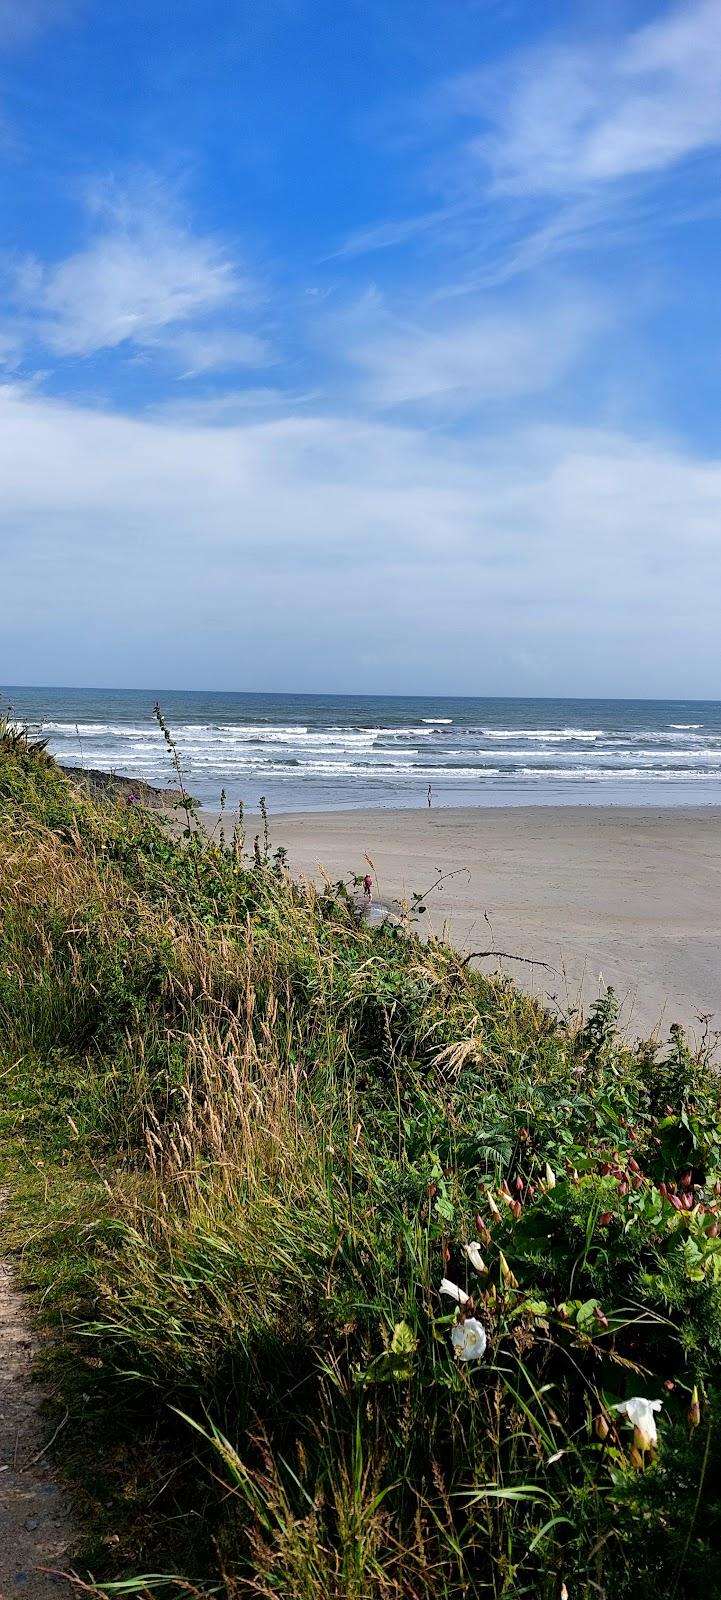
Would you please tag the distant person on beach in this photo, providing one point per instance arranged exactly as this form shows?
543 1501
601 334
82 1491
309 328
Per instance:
430 795
368 888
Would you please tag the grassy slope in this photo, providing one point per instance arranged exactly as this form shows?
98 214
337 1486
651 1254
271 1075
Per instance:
246 1138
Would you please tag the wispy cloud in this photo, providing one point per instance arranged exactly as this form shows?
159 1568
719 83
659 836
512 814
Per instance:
143 279
455 359
562 119
21 19
544 152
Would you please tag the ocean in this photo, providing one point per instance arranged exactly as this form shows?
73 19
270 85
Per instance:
326 752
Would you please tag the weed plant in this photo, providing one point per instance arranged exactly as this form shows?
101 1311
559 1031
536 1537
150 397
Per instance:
248 1137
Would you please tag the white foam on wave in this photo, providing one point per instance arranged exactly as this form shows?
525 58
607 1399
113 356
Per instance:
549 735
621 774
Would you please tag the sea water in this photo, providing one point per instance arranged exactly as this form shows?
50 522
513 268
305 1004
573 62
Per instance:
325 752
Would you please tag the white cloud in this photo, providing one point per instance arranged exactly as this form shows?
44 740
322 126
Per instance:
144 279
567 118
567 148
199 351
461 358
311 550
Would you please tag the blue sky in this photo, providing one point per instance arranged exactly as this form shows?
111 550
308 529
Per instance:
348 345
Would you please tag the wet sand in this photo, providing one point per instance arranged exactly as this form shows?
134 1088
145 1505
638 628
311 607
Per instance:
606 895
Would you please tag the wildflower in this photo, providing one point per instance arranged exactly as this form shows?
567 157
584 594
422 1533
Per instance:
453 1292
605 1219
550 1177
640 1412
493 1207
469 1339
475 1257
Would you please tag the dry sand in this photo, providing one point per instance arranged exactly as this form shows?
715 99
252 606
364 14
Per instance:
606 895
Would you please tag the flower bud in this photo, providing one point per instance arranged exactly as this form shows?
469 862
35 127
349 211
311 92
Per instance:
481 1229
694 1410
601 1426
605 1219
508 1276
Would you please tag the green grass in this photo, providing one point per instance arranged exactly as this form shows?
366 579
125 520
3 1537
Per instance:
246 1138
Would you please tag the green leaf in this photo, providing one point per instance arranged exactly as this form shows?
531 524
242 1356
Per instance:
585 1318
404 1341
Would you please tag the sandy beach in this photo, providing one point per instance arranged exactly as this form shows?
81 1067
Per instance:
605 895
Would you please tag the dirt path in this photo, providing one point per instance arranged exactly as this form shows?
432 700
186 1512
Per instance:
35 1527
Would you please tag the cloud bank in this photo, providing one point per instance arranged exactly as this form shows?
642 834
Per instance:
193 551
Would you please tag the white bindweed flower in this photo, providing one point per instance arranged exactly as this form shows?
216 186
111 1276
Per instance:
469 1339
640 1412
475 1257
453 1292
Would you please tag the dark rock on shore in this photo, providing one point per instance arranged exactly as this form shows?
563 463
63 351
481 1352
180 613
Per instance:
116 787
